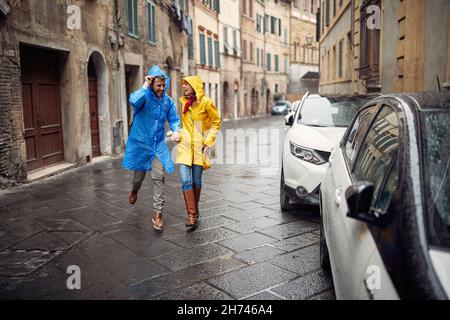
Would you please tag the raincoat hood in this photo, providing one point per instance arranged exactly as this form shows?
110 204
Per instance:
156 71
196 84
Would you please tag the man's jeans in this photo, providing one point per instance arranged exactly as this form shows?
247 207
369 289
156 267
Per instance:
190 176
159 192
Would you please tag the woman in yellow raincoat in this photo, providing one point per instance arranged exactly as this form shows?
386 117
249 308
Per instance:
200 124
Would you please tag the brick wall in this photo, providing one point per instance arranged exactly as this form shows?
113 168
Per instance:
12 167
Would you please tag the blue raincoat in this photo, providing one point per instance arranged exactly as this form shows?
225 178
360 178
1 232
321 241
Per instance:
147 136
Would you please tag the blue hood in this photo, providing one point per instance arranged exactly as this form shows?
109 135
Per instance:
156 71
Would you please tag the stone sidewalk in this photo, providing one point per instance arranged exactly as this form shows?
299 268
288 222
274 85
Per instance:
244 248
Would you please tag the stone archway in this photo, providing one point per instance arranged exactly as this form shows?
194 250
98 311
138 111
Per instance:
99 103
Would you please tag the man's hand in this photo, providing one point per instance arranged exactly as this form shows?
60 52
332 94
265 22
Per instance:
176 136
148 80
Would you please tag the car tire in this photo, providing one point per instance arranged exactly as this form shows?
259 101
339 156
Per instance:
284 199
324 254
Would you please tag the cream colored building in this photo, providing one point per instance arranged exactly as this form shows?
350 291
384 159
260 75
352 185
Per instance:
304 49
276 57
207 47
230 53
386 46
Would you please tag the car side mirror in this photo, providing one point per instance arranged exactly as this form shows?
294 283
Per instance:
290 120
359 199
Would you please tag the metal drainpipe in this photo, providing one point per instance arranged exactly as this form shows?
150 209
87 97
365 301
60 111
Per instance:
119 122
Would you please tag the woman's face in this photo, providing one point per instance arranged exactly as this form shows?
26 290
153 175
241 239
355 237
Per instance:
187 89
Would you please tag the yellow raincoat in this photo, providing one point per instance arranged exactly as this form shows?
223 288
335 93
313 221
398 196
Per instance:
200 125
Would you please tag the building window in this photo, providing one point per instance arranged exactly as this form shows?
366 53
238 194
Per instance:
268 62
369 49
251 51
277 63
250 10
295 3
304 6
217 51
285 36
244 6
312 7
235 46
202 49
190 47
259 23
341 52
257 56
262 57
210 52
286 65
334 8
276 88
225 39
132 18
244 49
327 12
151 22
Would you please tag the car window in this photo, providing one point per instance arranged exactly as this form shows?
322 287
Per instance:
377 151
383 199
436 163
330 111
356 133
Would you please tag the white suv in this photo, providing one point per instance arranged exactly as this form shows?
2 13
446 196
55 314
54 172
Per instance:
317 125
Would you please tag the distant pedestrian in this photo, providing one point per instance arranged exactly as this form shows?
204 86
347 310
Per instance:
146 148
200 125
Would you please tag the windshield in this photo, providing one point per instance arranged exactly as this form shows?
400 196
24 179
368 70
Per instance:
281 103
330 112
436 135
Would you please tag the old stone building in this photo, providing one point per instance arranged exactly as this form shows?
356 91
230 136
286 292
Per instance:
66 72
388 46
230 69
304 49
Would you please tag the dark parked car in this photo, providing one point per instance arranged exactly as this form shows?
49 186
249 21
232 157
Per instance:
385 201
281 107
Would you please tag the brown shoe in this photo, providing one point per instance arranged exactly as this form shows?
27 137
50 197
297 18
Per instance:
158 222
132 197
189 200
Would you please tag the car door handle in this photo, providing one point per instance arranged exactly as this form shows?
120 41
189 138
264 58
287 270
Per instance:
338 196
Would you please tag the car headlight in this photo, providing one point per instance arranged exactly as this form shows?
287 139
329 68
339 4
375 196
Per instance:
305 154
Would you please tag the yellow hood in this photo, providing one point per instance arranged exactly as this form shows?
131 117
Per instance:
196 84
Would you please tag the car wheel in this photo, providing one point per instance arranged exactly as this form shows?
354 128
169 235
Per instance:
284 199
324 255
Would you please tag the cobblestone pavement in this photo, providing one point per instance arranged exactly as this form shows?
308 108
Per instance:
244 248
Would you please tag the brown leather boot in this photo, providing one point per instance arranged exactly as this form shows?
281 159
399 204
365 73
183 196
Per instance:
189 200
157 220
132 197
197 192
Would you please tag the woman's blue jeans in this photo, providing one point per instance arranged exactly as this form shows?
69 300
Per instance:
190 176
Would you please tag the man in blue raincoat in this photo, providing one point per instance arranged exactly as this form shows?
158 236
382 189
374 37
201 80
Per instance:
146 148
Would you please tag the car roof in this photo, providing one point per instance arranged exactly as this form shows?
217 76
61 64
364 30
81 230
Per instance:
344 96
426 100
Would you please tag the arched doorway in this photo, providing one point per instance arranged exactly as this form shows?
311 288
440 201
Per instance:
267 100
225 99
98 105
254 106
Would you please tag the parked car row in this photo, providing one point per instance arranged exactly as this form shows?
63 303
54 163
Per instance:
378 167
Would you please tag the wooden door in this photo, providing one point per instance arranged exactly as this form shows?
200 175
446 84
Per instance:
41 107
93 109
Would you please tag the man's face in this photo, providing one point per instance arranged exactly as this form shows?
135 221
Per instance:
158 87
188 91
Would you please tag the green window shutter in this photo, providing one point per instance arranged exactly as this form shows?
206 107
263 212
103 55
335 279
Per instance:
210 52
151 23
216 48
276 63
217 6
135 18
268 62
202 49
